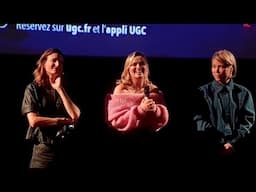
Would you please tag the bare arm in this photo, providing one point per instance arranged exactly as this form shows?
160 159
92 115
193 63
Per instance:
35 120
70 106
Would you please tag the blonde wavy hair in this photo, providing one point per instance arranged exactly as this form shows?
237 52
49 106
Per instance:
126 77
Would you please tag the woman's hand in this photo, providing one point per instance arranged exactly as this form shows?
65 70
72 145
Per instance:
56 83
148 105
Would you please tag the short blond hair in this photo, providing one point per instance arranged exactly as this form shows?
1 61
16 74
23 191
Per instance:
226 57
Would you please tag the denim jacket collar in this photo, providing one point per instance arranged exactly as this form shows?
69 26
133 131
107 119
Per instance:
217 87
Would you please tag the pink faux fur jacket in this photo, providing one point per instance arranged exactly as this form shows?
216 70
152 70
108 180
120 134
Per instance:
123 113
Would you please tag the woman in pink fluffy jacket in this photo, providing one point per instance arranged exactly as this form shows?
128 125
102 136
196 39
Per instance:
136 104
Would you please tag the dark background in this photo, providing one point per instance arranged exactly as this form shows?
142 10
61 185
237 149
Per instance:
96 149
175 168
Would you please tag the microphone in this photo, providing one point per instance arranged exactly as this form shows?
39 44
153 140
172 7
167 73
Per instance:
146 92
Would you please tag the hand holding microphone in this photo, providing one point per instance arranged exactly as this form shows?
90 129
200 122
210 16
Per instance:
148 104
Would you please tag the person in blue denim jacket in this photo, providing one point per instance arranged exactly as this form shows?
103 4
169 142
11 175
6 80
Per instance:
224 113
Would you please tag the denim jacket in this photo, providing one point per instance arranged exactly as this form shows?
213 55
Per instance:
210 113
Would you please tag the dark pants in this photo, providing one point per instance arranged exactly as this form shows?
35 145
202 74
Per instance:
43 156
